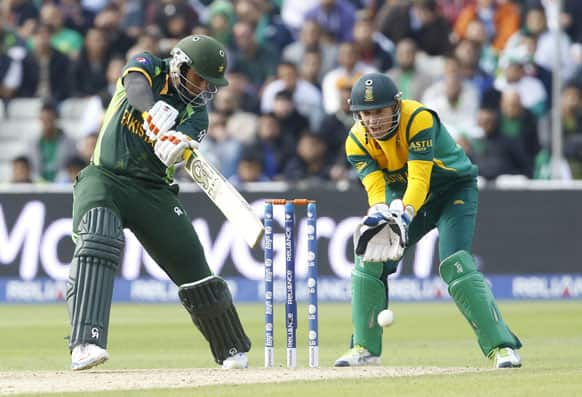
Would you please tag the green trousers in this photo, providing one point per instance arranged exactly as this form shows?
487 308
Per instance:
152 212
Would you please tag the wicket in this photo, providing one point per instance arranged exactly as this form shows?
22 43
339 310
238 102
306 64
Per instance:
290 301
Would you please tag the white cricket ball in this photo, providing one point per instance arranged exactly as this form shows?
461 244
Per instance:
385 318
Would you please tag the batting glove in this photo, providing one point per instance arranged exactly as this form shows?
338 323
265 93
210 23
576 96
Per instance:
170 147
159 119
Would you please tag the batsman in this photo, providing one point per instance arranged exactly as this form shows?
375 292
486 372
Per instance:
158 111
416 178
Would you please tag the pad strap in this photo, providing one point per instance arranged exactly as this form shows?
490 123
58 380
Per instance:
210 305
96 258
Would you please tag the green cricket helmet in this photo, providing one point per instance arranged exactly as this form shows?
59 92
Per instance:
207 57
377 91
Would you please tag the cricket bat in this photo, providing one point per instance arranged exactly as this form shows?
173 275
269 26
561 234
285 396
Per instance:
228 200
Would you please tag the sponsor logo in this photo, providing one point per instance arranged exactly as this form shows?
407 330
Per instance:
141 60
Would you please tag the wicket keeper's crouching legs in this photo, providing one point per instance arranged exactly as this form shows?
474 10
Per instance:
466 285
104 203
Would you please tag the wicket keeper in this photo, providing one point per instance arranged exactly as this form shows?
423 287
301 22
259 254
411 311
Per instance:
157 112
416 178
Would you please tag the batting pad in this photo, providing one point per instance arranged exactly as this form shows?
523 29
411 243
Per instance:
210 305
97 256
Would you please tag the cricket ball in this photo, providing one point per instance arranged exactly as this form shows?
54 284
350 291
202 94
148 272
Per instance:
385 318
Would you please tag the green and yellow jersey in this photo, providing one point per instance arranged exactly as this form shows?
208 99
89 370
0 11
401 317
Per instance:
419 160
122 146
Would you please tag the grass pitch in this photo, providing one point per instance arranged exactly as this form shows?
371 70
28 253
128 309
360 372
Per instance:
428 351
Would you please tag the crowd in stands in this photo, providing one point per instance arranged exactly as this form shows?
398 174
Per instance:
484 65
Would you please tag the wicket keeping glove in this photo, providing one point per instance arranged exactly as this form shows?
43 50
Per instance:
170 147
383 233
159 119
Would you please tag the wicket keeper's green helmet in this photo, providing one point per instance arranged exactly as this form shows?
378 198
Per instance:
376 91
373 91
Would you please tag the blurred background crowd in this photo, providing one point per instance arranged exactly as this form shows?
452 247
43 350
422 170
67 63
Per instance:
484 65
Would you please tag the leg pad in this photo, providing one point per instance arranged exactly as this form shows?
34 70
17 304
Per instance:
474 298
210 305
96 258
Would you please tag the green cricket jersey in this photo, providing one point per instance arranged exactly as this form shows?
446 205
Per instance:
122 146
421 158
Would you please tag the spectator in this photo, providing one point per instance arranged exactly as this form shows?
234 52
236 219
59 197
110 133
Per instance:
109 20
291 121
239 124
477 35
519 124
501 20
419 20
570 19
221 149
531 90
45 69
407 76
468 55
53 149
336 17
72 168
456 101
310 161
277 147
310 69
257 62
494 153
350 67
21 170
166 14
572 127
244 90
250 167
306 96
77 17
12 52
63 39
429 29
375 48
335 127
222 18
90 70
269 28
86 146
310 40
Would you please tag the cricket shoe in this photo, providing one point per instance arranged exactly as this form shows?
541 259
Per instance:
86 356
506 357
236 361
358 356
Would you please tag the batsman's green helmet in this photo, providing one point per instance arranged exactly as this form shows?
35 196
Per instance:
204 54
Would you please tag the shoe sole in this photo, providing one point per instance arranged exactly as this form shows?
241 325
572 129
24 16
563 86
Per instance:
509 365
91 364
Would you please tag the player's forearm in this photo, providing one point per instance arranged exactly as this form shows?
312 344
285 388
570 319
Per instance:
419 173
139 92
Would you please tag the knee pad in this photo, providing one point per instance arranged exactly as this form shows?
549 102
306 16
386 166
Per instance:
97 256
210 305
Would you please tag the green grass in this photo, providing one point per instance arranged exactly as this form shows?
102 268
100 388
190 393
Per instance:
434 334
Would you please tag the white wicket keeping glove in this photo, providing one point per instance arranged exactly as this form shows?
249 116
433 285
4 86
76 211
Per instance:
383 233
159 119
170 147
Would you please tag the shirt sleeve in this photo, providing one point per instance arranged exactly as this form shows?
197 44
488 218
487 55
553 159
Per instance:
421 135
367 169
142 63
